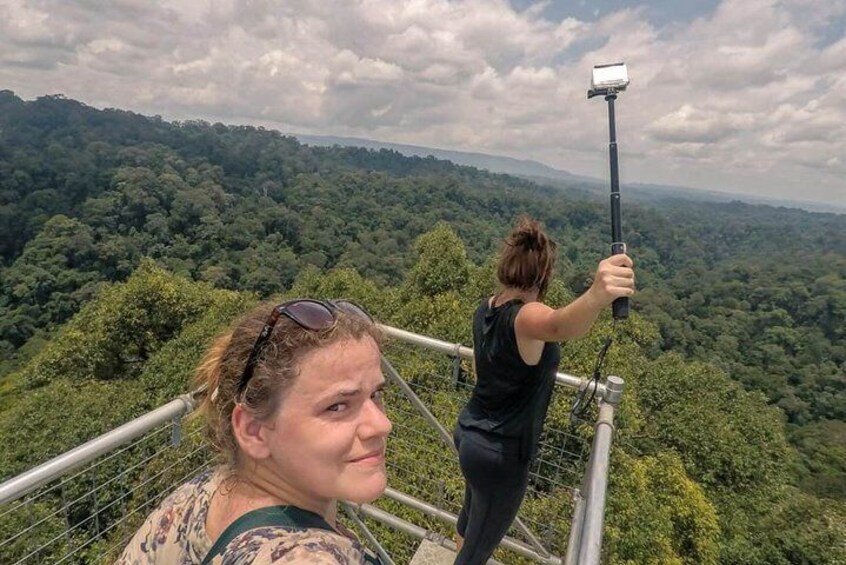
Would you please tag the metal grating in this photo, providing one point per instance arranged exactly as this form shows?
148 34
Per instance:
422 465
88 515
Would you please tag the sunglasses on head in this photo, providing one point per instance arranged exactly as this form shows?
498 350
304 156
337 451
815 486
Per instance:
309 314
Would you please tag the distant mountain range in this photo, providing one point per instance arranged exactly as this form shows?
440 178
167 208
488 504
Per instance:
493 163
544 174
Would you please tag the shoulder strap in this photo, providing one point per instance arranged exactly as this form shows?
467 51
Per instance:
372 559
278 516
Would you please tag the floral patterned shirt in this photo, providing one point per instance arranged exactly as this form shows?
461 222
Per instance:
175 533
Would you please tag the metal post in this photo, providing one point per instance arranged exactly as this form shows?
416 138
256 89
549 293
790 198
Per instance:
94 493
66 513
575 540
597 479
176 431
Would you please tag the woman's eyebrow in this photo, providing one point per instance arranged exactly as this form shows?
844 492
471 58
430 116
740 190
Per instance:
347 392
341 393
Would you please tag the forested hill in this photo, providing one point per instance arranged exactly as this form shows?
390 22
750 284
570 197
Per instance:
86 194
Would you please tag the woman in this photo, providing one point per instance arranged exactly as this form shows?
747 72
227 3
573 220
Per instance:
516 354
294 409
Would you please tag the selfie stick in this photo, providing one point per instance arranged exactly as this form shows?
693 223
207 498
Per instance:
608 80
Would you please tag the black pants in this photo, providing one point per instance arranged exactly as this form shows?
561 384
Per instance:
495 483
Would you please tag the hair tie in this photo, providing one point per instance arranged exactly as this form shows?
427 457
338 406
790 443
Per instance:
529 241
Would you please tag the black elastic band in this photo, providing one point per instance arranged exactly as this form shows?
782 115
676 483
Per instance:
581 404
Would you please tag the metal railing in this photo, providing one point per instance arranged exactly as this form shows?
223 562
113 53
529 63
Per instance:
82 506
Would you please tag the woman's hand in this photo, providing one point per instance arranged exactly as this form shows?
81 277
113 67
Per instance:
614 278
537 321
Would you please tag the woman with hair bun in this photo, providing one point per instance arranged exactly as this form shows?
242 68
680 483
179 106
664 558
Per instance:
516 355
293 408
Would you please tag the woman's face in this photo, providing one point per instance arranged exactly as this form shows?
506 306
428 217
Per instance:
330 432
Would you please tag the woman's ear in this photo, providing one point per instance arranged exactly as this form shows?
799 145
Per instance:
250 434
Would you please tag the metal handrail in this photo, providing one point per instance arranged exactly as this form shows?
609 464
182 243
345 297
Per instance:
26 482
588 518
458 350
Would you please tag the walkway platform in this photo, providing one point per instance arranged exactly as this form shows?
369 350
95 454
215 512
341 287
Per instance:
429 553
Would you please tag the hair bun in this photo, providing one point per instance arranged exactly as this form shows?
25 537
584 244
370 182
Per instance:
528 235
527 258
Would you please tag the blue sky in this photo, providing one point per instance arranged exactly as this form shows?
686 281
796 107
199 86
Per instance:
659 12
744 96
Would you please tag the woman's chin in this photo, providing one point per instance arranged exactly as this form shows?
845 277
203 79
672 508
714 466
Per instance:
367 490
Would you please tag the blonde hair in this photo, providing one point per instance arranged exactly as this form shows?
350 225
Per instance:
527 258
277 366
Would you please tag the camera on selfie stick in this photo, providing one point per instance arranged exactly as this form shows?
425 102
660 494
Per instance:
607 81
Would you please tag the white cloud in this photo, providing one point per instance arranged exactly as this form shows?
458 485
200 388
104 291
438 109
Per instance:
749 88
689 124
25 24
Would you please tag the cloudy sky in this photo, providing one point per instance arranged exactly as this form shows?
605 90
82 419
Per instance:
745 96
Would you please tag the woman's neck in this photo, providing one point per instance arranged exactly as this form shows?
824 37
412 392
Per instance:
510 293
260 487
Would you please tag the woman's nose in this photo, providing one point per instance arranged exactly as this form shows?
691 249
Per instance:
375 423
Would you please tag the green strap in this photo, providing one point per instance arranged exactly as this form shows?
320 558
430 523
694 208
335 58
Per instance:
371 560
273 516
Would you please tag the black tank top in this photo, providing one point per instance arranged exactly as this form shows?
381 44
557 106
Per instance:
510 398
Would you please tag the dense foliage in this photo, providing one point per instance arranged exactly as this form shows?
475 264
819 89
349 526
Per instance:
700 467
704 470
